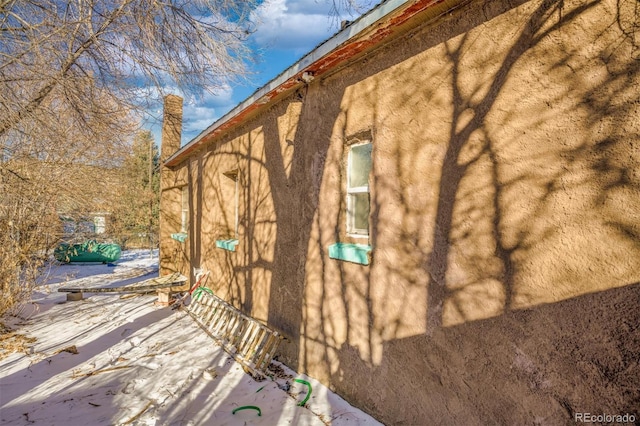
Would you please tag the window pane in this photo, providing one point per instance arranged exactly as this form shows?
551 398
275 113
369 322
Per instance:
359 212
185 198
185 209
185 221
359 165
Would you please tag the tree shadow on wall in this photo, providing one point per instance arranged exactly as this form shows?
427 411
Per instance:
280 184
514 223
487 220
295 195
217 220
501 202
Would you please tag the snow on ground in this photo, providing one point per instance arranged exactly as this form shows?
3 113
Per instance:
115 359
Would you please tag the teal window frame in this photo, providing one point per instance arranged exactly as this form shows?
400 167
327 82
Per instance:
180 237
350 252
229 245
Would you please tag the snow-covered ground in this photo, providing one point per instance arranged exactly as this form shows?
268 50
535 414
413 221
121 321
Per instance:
115 359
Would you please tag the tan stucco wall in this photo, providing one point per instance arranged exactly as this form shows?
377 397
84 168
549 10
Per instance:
505 222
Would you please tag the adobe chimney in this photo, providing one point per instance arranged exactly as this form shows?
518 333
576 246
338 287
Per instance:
172 252
171 126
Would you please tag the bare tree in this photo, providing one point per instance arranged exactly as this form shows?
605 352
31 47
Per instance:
120 45
73 74
135 214
64 164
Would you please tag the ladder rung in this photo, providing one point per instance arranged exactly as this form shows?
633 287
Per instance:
250 342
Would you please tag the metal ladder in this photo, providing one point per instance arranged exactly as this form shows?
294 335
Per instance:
250 342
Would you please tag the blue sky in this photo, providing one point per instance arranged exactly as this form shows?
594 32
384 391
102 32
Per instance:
287 29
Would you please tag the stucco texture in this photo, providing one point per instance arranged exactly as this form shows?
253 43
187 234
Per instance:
505 218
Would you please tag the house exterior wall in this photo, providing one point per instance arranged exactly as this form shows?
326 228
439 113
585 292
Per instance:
505 191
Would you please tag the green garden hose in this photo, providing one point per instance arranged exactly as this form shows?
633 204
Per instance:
247 407
304 382
198 293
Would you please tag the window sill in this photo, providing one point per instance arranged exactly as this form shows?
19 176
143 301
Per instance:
355 253
180 236
229 245
358 236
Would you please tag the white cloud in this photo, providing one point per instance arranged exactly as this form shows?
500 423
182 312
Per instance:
198 113
292 24
221 96
285 30
202 112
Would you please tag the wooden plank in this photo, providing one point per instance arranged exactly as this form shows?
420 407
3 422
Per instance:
261 342
231 325
252 350
213 310
218 326
271 351
168 281
263 353
239 331
251 333
215 319
200 304
204 307
195 306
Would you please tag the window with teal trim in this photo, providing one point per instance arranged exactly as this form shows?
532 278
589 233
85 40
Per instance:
358 206
231 194
234 204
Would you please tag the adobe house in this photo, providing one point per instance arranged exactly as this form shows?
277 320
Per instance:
439 208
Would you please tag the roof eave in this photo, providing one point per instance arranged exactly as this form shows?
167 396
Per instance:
337 50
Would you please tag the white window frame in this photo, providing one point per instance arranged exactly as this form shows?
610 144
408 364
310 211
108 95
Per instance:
234 176
184 225
352 231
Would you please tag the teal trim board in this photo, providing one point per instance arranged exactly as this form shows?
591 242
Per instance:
181 236
227 244
356 253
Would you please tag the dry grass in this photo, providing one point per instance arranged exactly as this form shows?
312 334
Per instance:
77 374
12 342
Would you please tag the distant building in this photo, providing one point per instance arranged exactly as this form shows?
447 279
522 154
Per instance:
439 207
92 224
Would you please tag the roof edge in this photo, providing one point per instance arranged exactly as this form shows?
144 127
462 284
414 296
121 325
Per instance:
333 52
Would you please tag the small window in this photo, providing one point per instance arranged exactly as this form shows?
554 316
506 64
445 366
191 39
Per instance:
233 175
358 170
185 209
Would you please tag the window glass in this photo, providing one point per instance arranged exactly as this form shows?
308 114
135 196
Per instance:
185 209
360 212
235 202
360 165
359 168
